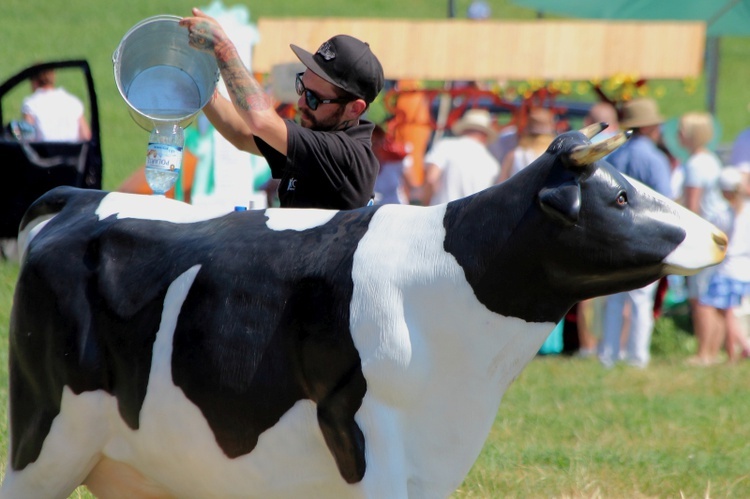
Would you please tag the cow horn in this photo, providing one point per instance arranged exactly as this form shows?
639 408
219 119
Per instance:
593 129
591 153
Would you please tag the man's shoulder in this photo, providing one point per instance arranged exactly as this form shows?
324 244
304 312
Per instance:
361 132
639 155
644 148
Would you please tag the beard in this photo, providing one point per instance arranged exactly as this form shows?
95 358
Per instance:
329 124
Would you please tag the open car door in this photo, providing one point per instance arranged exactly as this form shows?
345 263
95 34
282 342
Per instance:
29 168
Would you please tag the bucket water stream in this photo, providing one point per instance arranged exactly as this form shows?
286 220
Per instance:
161 77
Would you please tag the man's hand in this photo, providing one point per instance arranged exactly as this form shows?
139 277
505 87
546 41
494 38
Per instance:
249 112
205 34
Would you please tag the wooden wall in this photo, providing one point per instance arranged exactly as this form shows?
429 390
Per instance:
497 50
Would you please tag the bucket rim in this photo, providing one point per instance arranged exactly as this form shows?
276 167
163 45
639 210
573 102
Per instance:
139 25
152 19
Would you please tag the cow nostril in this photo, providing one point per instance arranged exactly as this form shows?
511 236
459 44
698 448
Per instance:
721 240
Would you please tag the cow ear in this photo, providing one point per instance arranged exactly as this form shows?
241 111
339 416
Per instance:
562 202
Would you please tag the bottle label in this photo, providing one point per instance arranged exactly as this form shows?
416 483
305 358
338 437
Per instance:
164 156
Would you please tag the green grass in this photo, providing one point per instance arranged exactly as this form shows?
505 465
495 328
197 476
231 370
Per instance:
567 427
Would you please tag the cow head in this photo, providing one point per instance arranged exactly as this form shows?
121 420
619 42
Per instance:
573 227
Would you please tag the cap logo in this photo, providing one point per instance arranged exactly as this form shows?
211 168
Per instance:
326 51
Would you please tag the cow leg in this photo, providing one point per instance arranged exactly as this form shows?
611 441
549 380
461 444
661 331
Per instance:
343 436
70 450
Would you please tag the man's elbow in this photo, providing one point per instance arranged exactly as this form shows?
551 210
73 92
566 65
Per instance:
244 143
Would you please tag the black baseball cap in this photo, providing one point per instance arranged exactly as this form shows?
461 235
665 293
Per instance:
347 63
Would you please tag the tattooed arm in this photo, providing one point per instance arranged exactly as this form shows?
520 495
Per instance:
251 111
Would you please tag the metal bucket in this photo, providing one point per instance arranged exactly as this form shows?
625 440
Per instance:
161 77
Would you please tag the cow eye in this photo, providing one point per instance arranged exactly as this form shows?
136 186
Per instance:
622 198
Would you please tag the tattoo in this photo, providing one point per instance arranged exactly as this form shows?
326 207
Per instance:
246 92
224 51
203 37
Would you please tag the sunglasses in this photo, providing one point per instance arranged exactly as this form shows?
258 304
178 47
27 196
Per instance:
311 98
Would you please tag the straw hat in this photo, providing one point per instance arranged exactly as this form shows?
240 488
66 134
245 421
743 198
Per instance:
642 112
475 119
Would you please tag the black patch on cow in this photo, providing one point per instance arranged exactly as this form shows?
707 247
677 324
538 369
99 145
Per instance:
265 324
553 235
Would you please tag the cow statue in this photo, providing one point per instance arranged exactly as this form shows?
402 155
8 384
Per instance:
156 351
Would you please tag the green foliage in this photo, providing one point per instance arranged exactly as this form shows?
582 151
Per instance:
673 336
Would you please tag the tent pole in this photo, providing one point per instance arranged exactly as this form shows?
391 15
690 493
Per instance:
712 72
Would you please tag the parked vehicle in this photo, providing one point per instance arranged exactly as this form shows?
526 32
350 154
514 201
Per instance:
30 168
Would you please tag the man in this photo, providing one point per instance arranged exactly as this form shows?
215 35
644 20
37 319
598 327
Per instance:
642 160
458 166
603 112
327 160
588 311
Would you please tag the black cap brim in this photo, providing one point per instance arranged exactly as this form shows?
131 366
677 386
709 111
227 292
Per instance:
308 60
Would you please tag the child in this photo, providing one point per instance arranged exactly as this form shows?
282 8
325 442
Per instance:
731 281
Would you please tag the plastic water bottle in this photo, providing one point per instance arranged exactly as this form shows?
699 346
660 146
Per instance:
164 157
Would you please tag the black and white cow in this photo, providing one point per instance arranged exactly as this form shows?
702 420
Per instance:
305 353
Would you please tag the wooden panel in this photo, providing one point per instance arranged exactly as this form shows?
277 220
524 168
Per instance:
487 50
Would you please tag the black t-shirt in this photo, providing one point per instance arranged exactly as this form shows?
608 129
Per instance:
331 170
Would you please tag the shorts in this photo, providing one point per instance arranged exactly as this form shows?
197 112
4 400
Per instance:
724 292
697 284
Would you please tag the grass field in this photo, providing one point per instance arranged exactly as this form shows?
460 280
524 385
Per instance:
566 428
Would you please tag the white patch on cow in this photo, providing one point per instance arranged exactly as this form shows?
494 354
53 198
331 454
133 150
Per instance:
436 361
700 248
29 232
295 219
147 207
69 451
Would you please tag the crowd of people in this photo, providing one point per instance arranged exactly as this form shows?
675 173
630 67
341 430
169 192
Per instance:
333 158
619 328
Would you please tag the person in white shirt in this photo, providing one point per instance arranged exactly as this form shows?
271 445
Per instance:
458 166
702 195
55 114
730 284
